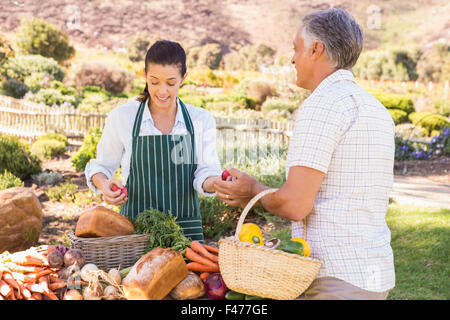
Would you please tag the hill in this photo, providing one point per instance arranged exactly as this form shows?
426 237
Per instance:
107 24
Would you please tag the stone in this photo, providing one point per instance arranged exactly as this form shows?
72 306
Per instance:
20 219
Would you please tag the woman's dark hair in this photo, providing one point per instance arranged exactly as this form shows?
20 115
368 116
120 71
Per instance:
164 52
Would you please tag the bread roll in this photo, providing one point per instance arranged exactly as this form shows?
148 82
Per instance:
102 222
190 288
154 275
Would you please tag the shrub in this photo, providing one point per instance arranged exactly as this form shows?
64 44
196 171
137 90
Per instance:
24 73
106 76
258 89
44 149
15 157
442 106
137 48
399 116
62 192
6 50
43 38
88 149
210 56
249 58
8 180
14 88
51 97
429 121
279 104
433 65
47 177
394 64
394 101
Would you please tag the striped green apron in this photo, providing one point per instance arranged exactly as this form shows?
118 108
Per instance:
161 176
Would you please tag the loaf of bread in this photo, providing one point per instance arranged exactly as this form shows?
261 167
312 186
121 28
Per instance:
99 221
190 288
154 275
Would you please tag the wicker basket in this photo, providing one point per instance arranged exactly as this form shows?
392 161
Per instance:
111 252
261 271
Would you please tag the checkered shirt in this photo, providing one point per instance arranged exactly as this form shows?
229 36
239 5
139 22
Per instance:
344 132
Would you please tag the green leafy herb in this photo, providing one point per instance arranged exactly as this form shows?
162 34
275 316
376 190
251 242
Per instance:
163 229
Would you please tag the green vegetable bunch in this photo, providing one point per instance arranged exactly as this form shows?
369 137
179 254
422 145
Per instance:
163 229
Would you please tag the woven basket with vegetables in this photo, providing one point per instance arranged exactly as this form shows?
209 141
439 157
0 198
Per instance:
258 270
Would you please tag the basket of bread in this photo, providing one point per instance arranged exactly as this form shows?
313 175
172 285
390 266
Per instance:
107 238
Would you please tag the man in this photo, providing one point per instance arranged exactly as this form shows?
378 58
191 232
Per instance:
339 167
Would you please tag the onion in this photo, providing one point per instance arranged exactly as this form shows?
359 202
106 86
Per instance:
88 272
89 294
62 249
114 274
110 293
215 287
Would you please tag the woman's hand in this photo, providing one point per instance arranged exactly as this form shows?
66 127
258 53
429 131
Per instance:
208 184
106 185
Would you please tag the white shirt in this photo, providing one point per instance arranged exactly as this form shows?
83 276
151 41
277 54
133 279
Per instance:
346 133
115 145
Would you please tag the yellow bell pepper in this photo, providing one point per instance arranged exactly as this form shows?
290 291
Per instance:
306 247
250 232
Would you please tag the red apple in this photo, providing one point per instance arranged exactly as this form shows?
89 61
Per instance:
225 175
122 190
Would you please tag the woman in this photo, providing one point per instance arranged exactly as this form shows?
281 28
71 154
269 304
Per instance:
166 149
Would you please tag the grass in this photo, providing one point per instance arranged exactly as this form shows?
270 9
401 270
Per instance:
419 239
421 252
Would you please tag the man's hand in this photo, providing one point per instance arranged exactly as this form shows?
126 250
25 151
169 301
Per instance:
238 190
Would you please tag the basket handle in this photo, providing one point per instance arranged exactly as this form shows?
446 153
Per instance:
250 204
247 208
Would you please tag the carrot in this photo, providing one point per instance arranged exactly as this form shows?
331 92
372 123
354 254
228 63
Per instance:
51 295
195 266
43 281
211 249
5 289
200 249
27 260
195 257
24 269
9 279
40 274
204 275
26 293
35 288
57 285
36 296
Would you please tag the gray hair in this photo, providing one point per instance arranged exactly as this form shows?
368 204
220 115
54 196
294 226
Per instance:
338 31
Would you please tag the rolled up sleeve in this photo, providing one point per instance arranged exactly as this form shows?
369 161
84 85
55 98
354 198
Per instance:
110 149
207 159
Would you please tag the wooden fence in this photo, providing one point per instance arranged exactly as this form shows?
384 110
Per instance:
29 120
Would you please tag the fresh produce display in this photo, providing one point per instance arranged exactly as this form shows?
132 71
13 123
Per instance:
45 273
250 232
164 231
